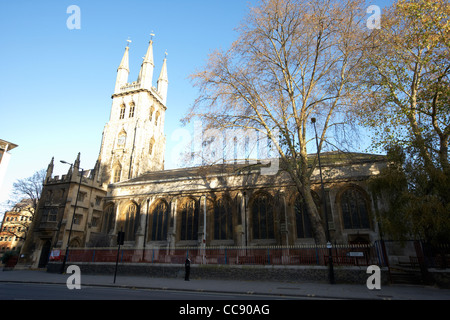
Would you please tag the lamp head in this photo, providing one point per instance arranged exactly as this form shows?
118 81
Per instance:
313 120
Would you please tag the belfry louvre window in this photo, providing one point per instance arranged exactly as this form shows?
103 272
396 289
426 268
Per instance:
354 210
122 112
117 172
151 113
131 113
262 218
189 221
222 220
150 148
160 221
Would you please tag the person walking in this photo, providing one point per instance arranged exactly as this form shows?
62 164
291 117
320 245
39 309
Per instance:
187 268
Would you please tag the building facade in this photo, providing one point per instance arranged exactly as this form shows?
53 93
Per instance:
15 226
236 205
5 155
220 205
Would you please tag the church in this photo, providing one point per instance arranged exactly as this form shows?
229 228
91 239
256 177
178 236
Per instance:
227 204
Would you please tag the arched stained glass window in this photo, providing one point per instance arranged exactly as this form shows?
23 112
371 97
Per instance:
354 210
223 225
189 221
128 221
160 216
262 217
303 222
108 219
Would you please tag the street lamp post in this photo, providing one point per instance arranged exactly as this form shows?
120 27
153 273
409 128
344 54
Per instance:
327 230
73 218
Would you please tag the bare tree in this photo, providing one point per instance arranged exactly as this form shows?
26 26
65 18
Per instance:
293 60
29 188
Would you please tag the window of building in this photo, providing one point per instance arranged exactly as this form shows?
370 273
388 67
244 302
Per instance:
117 172
262 217
354 208
94 222
121 140
156 118
108 219
127 221
82 196
189 221
152 143
78 218
303 222
151 113
122 112
49 214
223 225
131 113
160 216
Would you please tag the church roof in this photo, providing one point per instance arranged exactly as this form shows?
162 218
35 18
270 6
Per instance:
334 158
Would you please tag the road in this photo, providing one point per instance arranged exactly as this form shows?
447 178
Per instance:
36 291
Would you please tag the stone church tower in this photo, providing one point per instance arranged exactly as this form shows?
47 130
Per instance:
133 140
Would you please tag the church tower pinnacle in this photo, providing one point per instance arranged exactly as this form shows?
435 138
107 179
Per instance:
146 73
123 70
163 81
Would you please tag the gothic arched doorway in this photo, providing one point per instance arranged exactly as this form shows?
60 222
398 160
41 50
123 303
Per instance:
45 253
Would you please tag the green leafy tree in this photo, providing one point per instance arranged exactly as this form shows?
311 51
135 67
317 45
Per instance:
407 73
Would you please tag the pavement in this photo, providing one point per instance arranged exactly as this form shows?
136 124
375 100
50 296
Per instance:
272 288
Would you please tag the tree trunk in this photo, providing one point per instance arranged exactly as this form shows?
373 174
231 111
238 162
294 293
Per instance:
314 216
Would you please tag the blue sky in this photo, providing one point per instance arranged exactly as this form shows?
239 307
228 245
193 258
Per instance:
56 83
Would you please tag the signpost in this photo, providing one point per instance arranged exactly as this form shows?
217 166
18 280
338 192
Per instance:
120 240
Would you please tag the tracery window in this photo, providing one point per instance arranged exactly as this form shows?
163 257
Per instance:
223 225
354 210
189 221
121 140
122 112
131 113
117 173
160 221
262 217
128 221
108 219
303 222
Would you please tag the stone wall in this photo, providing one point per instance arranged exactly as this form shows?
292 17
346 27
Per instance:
297 274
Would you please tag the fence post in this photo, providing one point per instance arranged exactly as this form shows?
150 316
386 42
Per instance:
93 256
268 255
317 255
